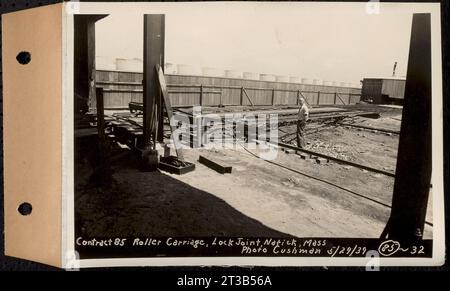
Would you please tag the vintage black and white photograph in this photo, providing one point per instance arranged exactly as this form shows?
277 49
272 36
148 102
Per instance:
255 130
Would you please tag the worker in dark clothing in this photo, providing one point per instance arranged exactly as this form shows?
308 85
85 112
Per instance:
303 116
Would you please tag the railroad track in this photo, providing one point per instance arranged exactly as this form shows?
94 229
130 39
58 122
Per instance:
371 128
363 196
285 145
340 161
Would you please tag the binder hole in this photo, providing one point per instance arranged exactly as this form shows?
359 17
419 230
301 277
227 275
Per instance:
25 208
23 58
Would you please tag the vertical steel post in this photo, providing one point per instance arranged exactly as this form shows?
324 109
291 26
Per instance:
413 170
100 116
153 55
102 172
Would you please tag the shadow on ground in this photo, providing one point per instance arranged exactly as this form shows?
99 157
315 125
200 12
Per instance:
154 204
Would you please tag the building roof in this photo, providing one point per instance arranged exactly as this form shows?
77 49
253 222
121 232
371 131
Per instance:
402 78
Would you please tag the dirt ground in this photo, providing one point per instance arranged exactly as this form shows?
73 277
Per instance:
259 198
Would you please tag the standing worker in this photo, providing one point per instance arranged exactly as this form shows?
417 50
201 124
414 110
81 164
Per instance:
303 116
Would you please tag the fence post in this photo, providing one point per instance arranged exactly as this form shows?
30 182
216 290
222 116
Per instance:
318 97
273 96
298 97
201 95
335 96
242 96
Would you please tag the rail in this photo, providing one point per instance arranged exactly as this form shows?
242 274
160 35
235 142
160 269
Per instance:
341 161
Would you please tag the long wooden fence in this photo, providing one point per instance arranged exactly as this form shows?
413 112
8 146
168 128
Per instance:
120 88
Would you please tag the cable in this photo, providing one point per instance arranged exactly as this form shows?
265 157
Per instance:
324 181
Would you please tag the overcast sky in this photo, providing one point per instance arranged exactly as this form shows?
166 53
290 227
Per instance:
322 41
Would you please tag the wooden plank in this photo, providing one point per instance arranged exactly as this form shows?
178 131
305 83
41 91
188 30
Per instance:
246 95
219 168
339 96
304 98
168 106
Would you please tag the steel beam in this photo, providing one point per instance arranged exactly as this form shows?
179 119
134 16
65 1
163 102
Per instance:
154 26
413 170
102 172
84 61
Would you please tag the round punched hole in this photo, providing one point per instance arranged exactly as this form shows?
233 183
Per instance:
25 208
23 58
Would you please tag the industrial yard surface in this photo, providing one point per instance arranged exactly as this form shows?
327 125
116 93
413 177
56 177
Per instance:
292 195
